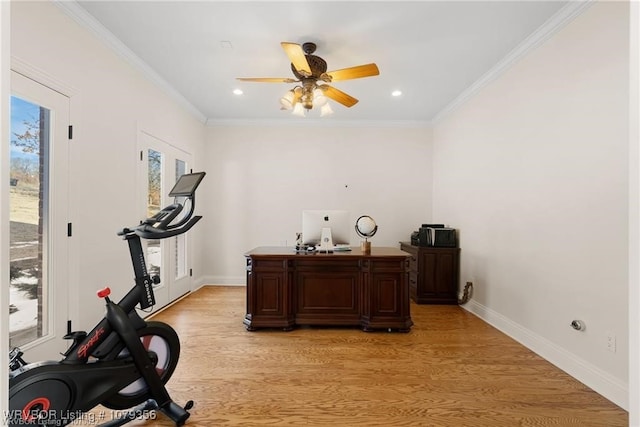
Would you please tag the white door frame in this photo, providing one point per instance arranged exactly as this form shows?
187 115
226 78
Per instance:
56 265
170 287
5 120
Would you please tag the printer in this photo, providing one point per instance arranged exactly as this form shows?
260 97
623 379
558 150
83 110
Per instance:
436 235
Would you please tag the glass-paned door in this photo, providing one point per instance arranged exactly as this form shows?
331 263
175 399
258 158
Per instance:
181 274
161 166
154 204
38 300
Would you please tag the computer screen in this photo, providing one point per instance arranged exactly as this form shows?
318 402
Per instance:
186 185
313 221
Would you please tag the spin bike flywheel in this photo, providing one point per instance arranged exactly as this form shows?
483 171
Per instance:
41 402
37 399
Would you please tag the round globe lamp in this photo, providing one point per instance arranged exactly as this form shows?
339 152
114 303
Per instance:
366 228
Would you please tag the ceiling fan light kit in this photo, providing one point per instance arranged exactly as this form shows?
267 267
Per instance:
309 69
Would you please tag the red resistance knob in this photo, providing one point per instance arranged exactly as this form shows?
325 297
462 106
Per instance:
103 293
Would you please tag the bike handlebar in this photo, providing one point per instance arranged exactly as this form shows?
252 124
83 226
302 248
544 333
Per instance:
147 231
160 225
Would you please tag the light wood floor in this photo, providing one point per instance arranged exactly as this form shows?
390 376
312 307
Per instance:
452 369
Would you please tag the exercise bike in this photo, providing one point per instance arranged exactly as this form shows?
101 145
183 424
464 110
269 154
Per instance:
124 361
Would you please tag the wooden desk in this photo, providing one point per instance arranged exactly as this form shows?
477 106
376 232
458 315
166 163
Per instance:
285 289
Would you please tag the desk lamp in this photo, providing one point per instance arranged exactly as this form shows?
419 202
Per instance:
366 227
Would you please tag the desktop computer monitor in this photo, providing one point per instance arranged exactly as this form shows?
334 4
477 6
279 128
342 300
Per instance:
313 221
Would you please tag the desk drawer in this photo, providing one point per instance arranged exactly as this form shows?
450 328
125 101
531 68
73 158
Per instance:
328 264
268 264
392 265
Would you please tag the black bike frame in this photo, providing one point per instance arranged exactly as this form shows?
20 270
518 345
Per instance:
141 293
88 384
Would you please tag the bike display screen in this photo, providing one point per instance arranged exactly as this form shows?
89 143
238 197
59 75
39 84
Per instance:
186 185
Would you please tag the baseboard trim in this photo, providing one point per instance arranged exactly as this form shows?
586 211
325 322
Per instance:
164 307
593 377
220 280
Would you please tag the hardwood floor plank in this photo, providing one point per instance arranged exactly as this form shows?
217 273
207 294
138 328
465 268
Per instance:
451 369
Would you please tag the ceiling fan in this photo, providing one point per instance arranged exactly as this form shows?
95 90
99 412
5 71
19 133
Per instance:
311 71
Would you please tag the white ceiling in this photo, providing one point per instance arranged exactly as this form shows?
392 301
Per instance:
433 51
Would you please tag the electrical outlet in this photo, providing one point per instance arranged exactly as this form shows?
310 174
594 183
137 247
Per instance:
611 342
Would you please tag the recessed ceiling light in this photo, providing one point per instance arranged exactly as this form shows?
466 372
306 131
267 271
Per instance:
396 93
238 92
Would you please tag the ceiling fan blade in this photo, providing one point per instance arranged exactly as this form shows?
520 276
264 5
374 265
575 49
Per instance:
360 71
267 79
338 95
297 57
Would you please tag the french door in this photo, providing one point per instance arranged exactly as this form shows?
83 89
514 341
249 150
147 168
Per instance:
38 202
161 164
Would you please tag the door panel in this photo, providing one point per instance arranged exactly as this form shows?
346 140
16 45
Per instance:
154 248
161 166
179 251
38 219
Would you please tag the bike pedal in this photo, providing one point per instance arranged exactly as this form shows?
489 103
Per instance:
76 335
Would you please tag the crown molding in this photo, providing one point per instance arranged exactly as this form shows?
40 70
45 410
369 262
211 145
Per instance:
82 17
86 20
558 21
554 24
325 123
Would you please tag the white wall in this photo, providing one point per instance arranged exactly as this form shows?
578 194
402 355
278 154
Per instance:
634 214
111 102
264 176
534 170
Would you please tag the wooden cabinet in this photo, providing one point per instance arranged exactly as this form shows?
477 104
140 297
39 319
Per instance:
433 274
386 297
285 289
268 299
